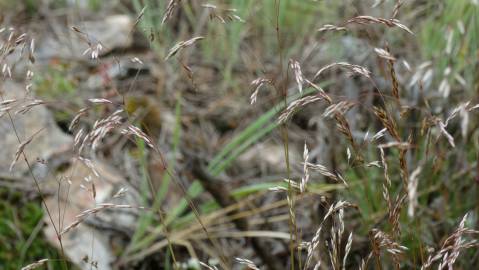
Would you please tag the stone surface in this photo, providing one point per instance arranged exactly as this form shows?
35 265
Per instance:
269 157
98 229
113 32
49 141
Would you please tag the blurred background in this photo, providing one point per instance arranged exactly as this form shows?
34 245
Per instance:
203 176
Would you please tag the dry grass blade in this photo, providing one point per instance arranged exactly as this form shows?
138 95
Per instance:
138 18
79 137
385 166
298 74
27 107
120 193
392 73
442 128
207 266
379 134
257 84
99 101
170 8
399 145
331 28
223 15
181 45
387 22
76 119
384 54
6 106
456 111
473 108
21 148
94 50
412 191
314 243
7 102
132 130
397 6
324 171
354 69
338 108
320 90
250 264
100 129
35 265
387 122
347 249
90 164
85 214
385 241
295 105
343 126
394 214
305 178
451 247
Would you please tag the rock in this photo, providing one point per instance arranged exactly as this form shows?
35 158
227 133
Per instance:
269 157
354 50
47 142
113 32
78 242
98 229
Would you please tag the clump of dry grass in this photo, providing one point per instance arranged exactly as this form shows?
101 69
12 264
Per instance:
223 14
452 246
396 141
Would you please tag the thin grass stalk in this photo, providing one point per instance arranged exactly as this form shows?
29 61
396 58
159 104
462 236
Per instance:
282 91
37 186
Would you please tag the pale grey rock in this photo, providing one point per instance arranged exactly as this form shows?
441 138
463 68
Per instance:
49 141
97 229
113 32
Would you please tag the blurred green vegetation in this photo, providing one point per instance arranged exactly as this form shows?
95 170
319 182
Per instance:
21 236
440 39
449 37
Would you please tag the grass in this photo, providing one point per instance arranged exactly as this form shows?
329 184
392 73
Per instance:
402 199
20 232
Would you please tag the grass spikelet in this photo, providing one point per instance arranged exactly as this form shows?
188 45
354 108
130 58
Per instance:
181 45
